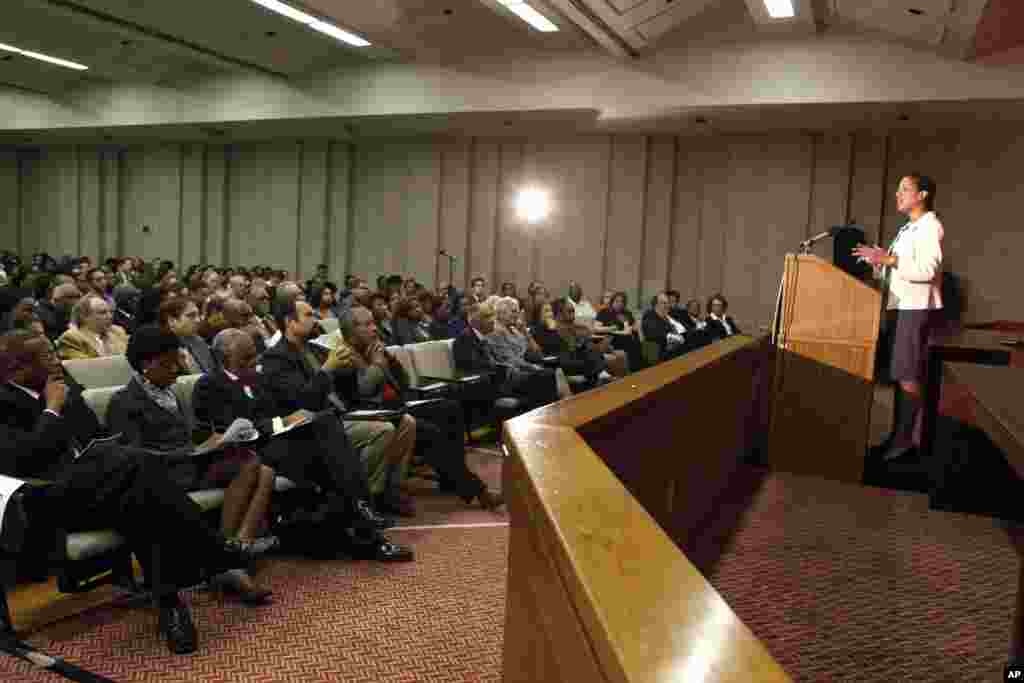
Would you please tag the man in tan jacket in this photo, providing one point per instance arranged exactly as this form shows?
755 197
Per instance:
92 333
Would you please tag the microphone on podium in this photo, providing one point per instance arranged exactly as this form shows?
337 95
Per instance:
806 245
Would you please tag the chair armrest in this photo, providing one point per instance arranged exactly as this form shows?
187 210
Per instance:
381 415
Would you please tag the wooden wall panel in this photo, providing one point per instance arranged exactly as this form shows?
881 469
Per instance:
264 200
218 166
421 197
152 197
484 214
111 189
692 155
312 213
626 198
193 200
89 200
339 205
455 209
867 185
10 201
513 247
661 179
714 218
378 209
831 187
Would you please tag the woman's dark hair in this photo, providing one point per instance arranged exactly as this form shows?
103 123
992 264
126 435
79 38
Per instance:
924 184
619 295
717 297
149 342
172 308
427 301
317 291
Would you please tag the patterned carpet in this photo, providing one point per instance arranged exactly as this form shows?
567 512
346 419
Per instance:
849 583
440 618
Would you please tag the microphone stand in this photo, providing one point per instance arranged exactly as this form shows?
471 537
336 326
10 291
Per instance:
451 267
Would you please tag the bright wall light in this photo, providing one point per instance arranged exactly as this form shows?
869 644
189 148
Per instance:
780 9
532 205
43 58
324 27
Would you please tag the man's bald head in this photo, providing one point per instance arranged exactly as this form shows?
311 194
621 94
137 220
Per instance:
66 293
237 349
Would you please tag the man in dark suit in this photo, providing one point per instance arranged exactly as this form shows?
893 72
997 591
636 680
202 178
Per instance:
720 324
440 427
660 328
44 430
292 383
318 454
472 355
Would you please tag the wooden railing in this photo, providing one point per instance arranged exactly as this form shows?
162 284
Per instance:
605 492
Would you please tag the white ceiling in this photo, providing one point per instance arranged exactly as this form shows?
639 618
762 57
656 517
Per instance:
177 42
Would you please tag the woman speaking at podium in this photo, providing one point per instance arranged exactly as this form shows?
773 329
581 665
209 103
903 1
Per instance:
911 275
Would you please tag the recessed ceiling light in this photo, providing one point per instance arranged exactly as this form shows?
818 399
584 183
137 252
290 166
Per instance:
529 15
320 25
780 9
43 58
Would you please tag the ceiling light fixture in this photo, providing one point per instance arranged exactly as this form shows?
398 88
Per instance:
312 22
529 15
780 9
43 58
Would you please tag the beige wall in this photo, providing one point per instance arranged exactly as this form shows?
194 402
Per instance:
700 214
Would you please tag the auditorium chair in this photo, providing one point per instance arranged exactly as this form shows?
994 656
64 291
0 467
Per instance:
106 371
434 361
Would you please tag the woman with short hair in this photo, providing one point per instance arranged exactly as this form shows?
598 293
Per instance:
619 322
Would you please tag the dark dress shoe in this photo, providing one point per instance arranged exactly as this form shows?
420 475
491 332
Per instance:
367 518
490 501
378 548
240 584
176 625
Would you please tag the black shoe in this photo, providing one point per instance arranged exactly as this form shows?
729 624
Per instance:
378 548
237 582
176 625
367 518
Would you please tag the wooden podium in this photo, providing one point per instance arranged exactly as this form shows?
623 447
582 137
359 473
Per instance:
825 333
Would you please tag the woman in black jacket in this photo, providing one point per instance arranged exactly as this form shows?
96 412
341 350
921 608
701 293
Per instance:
147 413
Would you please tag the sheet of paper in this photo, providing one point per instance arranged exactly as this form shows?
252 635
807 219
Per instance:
8 486
239 431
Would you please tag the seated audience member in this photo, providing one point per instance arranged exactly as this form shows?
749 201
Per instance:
323 297
428 303
508 289
606 300
212 317
124 275
56 310
720 325
43 424
440 429
660 328
561 336
239 315
316 455
410 288
586 314
23 310
293 380
477 290
392 286
474 354
675 307
239 286
693 318
259 300
410 325
537 297
147 414
93 334
617 321
181 318
97 281
126 307
514 348
381 308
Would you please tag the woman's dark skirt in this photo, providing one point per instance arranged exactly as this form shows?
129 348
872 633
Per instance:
908 333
